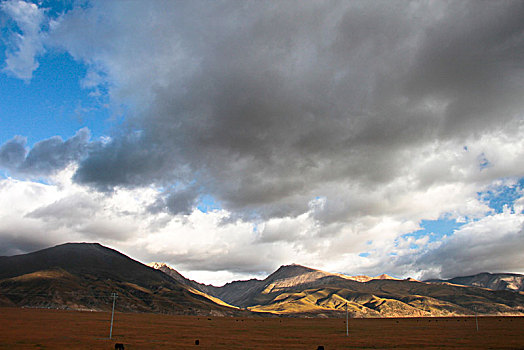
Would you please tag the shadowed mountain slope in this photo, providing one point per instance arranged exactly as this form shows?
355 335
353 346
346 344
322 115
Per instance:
83 276
495 281
80 258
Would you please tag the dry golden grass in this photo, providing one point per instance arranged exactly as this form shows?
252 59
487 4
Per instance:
58 329
44 274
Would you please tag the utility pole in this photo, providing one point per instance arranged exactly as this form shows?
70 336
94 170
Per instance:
347 320
476 319
114 296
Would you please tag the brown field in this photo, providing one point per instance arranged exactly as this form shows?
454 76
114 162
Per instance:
59 329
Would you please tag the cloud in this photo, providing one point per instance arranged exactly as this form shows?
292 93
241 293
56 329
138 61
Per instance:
42 215
213 246
493 242
322 130
71 210
12 153
27 42
473 64
126 160
45 157
266 112
176 201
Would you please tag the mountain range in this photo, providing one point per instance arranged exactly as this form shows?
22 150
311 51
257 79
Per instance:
496 281
83 276
299 290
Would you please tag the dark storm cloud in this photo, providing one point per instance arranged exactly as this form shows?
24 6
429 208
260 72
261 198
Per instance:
128 160
473 59
46 156
264 105
176 201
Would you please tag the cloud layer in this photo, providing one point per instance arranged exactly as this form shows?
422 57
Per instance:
319 129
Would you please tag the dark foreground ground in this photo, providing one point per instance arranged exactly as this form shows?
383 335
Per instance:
58 329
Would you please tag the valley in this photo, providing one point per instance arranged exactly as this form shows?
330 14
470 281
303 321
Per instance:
61 329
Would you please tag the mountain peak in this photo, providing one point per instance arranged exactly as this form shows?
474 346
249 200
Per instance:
158 265
165 268
290 271
288 276
384 277
79 245
75 258
295 268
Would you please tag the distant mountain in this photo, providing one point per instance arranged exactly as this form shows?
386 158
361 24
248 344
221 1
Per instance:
302 291
177 276
287 277
229 294
495 281
83 276
195 287
246 293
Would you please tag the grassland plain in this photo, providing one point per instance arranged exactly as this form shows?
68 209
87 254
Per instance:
61 329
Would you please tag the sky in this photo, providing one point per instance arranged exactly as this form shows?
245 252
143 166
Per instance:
228 138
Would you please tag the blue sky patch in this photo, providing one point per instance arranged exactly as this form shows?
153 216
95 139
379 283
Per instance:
208 203
436 229
494 198
52 103
502 196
